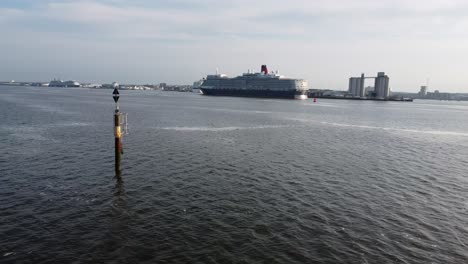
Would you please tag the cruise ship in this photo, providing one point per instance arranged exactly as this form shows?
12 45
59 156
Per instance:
60 83
255 84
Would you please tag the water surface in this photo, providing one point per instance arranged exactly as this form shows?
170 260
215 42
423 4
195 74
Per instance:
231 180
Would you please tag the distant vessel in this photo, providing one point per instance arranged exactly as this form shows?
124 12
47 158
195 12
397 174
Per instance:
111 85
60 83
255 84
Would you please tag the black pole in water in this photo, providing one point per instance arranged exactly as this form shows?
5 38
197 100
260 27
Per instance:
118 135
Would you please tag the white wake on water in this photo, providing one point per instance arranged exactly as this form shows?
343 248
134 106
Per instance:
396 129
219 129
432 132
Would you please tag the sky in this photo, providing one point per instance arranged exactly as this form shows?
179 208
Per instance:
181 41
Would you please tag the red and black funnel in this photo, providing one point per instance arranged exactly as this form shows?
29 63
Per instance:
264 69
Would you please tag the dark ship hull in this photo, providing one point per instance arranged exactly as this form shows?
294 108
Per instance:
65 86
253 93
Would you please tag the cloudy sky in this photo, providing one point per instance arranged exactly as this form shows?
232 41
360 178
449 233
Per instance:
180 41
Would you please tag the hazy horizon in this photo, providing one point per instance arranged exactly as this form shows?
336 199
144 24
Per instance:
181 41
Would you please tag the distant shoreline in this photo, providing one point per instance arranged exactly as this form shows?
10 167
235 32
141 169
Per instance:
400 97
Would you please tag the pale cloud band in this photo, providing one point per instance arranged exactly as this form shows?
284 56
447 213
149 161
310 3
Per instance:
290 34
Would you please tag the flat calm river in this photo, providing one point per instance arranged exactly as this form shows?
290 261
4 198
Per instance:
231 180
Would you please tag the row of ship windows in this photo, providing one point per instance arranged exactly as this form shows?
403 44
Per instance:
253 82
259 85
257 88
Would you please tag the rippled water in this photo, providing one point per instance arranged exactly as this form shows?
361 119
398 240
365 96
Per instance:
231 180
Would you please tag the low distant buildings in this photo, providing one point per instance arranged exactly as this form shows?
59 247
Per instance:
368 90
326 93
91 85
111 85
436 95
423 91
178 88
60 83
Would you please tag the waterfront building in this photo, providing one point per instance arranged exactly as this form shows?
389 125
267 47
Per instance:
381 88
356 86
436 95
368 90
423 91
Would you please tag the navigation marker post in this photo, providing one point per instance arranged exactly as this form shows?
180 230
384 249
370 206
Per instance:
118 135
